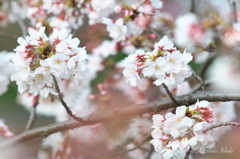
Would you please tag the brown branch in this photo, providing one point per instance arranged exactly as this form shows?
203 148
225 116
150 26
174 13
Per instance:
188 154
234 10
222 124
120 113
205 65
32 117
192 9
170 95
150 152
6 35
64 103
199 86
200 80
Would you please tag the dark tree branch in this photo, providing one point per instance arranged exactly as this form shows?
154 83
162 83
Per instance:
170 95
192 9
32 117
234 10
150 152
120 113
188 154
64 103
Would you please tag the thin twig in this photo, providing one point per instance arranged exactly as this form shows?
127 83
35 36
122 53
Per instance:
6 35
203 86
188 154
150 152
234 10
170 94
199 86
205 66
20 23
119 113
32 117
192 9
154 32
22 26
129 150
65 104
222 124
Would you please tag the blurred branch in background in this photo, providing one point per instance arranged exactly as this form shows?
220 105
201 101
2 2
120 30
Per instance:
119 113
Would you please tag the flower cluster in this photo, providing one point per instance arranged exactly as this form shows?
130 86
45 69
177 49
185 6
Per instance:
59 144
5 58
117 30
39 58
67 14
133 20
176 134
62 14
195 32
165 64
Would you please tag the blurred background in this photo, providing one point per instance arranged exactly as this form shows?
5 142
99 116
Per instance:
16 116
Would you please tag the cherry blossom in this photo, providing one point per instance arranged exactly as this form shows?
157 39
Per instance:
117 30
229 74
99 10
146 50
164 64
175 134
5 62
105 49
58 55
194 32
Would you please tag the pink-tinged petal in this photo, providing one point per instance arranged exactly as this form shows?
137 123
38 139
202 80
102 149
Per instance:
193 141
175 133
174 145
157 133
184 143
181 111
158 145
157 119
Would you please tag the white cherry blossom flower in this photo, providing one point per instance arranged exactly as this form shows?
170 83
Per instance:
130 73
37 37
175 134
5 62
116 30
165 64
163 44
158 67
39 57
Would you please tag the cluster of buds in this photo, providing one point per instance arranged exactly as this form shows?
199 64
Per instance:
38 58
165 64
4 131
103 98
175 134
